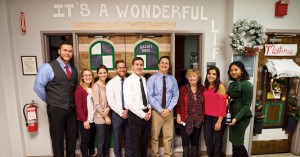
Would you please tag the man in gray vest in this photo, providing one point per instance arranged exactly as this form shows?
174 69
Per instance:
55 84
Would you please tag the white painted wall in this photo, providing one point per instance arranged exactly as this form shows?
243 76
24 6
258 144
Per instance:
10 131
215 21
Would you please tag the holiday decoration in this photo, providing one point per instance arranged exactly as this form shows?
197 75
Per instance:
247 36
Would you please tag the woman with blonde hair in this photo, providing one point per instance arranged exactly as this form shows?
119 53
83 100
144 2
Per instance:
189 112
85 112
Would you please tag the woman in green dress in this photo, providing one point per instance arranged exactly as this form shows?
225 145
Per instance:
240 92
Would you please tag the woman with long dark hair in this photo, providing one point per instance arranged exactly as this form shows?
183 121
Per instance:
215 110
102 116
240 92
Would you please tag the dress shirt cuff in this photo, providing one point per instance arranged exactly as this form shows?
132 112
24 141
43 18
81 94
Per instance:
142 114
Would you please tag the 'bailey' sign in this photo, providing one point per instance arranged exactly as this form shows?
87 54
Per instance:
280 49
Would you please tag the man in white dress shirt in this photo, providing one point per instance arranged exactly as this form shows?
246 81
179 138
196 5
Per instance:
139 114
119 116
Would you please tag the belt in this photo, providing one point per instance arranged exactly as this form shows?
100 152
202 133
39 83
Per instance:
145 110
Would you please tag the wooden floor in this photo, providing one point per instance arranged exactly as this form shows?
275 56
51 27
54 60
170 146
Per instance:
275 155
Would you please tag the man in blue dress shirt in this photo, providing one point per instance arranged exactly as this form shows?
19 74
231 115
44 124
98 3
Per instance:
55 84
163 94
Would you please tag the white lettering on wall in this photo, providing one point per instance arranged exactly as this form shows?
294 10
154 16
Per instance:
103 10
84 10
215 32
202 14
175 10
58 7
156 11
69 8
165 10
146 11
122 13
215 52
135 11
185 11
195 14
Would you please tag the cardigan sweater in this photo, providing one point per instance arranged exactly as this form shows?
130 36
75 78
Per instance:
182 105
81 104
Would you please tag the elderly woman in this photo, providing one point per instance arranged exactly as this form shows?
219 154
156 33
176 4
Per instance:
190 112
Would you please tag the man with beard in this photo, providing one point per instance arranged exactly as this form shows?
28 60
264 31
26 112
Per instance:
55 84
119 116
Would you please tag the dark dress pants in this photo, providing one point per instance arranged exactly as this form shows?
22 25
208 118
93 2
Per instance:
103 131
120 127
140 131
62 123
192 139
87 143
213 139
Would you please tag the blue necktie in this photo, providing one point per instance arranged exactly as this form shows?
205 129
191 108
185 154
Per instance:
122 83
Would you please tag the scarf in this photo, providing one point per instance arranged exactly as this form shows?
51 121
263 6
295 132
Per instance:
190 122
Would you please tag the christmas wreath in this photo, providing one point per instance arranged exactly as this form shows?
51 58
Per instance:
248 32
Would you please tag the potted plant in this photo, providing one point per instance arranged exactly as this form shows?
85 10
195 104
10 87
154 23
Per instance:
293 114
258 118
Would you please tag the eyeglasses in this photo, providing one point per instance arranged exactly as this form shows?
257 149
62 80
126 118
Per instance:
87 75
121 68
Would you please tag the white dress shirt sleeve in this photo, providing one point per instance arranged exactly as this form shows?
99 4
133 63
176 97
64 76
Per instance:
132 96
113 94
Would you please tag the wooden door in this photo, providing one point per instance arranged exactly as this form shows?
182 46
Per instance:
275 110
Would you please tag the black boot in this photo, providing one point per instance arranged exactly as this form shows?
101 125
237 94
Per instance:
186 152
239 151
235 151
194 151
243 151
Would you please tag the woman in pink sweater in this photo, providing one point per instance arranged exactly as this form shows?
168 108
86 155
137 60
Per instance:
102 116
85 112
214 112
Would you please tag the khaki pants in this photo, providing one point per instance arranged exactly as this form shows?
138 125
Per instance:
167 127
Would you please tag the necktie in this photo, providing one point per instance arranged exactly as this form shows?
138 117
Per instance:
143 93
163 102
68 72
122 83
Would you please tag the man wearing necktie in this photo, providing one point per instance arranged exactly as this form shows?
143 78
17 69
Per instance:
119 116
139 114
163 94
55 84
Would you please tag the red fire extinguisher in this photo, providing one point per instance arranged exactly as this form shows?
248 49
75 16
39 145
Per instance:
30 115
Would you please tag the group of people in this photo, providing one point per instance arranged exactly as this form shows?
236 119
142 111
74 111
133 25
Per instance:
139 110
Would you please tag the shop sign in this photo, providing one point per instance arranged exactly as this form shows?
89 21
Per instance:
280 49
